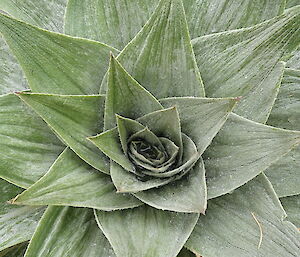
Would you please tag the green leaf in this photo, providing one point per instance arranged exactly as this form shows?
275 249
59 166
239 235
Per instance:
185 253
27 145
45 14
291 205
294 61
73 118
67 231
55 63
291 3
249 222
210 16
11 75
284 174
17 224
102 20
161 57
15 251
257 104
72 182
234 63
125 96
241 151
146 232
201 118
187 194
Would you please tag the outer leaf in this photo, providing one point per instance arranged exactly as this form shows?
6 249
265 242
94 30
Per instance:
48 59
67 231
73 118
247 223
125 96
291 205
15 251
11 75
185 195
210 16
257 104
102 20
242 150
201 118
27 146
45 14
161 57
17 224
235 63
72 182
146 232
284 174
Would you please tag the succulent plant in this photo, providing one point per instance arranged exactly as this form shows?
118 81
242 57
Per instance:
137 128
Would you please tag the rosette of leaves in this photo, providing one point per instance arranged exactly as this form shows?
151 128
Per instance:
124 122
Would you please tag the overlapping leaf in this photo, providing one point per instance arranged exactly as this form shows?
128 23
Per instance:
72 182
291 205
15 251
161 57
17 224
27 146
73 118
55 63
145 231
67 231
249 222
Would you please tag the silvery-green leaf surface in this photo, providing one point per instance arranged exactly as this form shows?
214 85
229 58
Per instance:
241 150
291 3
44 14
294 61
73 118
15 251
187 194
71 182
249 222
161 57
145 231
27 146
17 223
68 231
285 173
201 118
236 62
125 96
102 20
211 16
291 205
55 63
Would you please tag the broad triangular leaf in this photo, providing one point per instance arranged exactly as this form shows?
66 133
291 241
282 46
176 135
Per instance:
17 224
291 205
211 16
73 118
187 194
161 57
249 222
285 173
125 96
11 75
104 19
72 182
67 231
241 150
234 63
54 63
27 146
45 14
201 118
146 232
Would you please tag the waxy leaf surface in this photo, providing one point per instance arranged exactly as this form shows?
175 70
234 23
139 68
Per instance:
72 182
291 205
27 146
67 231
145 231
249 222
